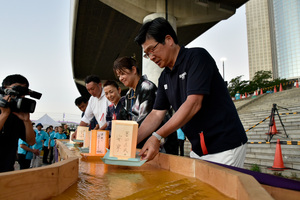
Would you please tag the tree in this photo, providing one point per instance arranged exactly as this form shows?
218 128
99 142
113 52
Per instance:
261 79
236 85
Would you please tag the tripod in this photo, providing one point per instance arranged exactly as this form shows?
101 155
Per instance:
272 121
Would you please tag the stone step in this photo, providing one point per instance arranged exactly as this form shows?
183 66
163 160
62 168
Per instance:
259 130
270 163
265 129
290 173
263 138
264 154
287 158
284 118
272 145
284 151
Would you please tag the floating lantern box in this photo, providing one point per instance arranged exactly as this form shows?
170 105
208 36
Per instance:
81 130
123 139
86 141
99 142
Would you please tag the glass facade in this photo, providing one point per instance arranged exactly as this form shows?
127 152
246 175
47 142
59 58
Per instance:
287 34
258 33
273 30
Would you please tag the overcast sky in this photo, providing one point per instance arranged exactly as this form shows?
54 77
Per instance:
34 42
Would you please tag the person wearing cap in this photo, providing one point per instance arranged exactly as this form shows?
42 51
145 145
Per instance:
40 137
13 125
191 83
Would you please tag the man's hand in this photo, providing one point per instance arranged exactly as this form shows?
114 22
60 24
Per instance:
36 152
6 111
150 149
74 135
22 116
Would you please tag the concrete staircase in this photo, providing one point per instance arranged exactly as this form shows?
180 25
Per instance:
255 110
286 99
261 153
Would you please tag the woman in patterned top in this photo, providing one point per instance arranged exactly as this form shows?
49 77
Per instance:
141 95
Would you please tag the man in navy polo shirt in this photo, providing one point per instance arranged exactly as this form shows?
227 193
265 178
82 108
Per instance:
193 86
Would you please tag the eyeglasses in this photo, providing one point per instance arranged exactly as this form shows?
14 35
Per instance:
147 55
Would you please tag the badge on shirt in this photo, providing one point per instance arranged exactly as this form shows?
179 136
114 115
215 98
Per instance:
166 86
182 76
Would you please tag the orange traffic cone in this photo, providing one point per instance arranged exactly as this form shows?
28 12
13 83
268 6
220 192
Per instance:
280 88
275 90
273 129
261 91
297 84
278 161
245 95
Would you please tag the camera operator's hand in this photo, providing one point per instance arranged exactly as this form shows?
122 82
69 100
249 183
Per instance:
22 116
4 113
6 110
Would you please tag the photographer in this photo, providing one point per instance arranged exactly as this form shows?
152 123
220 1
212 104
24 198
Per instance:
13 125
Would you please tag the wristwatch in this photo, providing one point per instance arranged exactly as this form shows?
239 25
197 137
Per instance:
157 136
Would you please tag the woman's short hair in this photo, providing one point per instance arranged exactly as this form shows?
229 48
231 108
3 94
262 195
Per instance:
123 63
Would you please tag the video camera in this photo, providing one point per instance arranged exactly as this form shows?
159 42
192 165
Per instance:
17 102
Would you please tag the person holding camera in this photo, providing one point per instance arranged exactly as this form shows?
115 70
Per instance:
14 124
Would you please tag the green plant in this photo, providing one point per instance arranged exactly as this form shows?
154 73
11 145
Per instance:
278 174
255 168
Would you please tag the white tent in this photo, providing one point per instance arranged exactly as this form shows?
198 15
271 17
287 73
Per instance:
47 121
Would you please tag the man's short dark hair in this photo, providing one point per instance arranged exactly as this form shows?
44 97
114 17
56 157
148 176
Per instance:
80 100
157 29
15 78
92 78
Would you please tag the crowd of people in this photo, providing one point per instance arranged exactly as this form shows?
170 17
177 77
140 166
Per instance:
191 101
42 152
190 85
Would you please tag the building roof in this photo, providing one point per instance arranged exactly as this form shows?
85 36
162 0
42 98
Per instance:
103 30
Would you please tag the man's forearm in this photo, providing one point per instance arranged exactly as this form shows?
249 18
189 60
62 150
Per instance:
183 115
3 118
82 123
26 148
150 124
30 134
102 127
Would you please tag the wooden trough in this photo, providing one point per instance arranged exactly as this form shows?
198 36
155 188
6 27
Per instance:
52 180
42 182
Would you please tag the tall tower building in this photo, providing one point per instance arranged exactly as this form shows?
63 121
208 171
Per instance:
273 29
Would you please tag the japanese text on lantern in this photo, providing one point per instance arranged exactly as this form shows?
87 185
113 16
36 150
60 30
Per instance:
123 139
